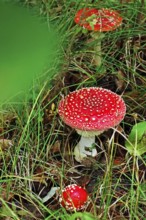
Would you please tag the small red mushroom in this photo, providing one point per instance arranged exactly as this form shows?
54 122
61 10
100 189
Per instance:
98 20
91 111
73 198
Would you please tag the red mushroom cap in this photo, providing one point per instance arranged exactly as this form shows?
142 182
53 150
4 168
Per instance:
73 197
98 20
92 109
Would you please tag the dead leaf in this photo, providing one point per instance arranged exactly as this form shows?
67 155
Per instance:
56 147
5 194
5 144
118 161
120 83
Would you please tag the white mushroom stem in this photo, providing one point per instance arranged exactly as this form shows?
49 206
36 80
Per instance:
98 54
85 148
97 36
50 194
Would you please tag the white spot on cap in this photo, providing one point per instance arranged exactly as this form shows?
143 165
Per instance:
93 109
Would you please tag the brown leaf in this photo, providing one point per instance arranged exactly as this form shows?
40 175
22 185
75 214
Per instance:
120 83
5 144
118 161
56 147
5 194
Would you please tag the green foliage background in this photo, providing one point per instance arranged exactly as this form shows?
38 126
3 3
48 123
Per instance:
29 46
136 143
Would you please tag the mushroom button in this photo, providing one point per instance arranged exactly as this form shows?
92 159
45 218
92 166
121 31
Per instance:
73 198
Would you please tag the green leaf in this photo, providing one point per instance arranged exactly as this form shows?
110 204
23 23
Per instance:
142 190
6 211
82 216
136 143
28 49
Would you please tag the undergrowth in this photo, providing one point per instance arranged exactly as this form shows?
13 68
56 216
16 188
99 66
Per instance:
36 147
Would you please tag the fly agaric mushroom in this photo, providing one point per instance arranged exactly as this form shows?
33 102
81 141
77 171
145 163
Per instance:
73 198
98 21
91 111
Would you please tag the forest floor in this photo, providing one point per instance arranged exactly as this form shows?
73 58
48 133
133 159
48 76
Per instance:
36 146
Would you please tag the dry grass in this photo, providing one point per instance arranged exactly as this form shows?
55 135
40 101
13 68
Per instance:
38 151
